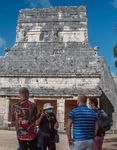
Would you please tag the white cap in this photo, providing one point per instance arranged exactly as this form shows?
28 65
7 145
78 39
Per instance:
47 106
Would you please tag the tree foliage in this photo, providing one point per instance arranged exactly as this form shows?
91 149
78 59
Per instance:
115 51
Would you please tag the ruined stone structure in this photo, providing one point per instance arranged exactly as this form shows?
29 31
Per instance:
52 57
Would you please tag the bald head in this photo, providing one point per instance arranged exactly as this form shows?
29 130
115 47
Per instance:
82 99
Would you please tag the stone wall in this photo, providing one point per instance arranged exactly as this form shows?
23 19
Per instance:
50 86
107 83
67 24
109 87
4 111
52 57
51 41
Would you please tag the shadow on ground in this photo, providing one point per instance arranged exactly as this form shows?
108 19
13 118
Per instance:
112 143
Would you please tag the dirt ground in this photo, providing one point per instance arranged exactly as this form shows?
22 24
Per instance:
8 141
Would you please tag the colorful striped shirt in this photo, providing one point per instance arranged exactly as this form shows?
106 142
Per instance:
84 120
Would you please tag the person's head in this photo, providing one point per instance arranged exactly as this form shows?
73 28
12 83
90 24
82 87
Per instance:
82 100
93 102
47 108
24 93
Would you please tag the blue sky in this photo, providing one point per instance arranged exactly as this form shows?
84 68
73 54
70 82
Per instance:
102 21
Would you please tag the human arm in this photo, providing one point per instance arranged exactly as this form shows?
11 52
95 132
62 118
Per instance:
56 125
38 121
96 128
13 115
68 131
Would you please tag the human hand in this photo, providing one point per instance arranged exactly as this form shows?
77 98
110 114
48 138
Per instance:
70 142
39 119
42 115
56 126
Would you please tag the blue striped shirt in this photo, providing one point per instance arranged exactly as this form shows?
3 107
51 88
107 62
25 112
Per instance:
83 123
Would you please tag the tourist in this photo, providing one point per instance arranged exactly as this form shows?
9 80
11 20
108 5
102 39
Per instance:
48 125
98 141
84 121
24 116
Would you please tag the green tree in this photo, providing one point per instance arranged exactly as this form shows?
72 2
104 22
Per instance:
115 54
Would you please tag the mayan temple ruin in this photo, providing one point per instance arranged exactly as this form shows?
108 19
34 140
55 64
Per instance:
53 58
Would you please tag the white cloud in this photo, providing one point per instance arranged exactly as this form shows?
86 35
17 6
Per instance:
37 3
2 42
114 3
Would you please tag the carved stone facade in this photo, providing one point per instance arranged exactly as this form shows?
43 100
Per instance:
52 57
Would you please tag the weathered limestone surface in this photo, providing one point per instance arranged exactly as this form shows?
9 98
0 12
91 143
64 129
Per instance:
109 88
115 107
50 86
51 41
107 83
60 113
51 50
4 110
52 57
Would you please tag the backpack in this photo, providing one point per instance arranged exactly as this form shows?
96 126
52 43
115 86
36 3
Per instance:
103 120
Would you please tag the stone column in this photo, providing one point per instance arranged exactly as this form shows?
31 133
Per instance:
98 102
114 117
60 113
4 111
6 115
